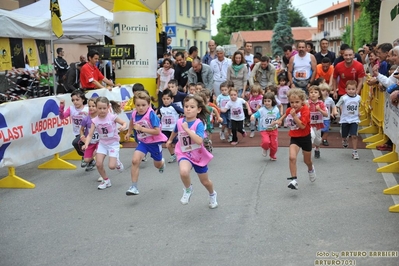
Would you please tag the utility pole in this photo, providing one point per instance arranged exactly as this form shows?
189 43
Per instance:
352 14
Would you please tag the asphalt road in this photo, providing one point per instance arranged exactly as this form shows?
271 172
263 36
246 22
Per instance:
65 220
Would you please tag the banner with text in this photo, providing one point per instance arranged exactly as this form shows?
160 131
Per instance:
39 132
391 120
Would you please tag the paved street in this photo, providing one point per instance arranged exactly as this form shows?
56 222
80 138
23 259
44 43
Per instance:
65 220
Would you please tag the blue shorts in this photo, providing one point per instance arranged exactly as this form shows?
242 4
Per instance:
226 119
167 134
155 149
326 126
349 129
198 169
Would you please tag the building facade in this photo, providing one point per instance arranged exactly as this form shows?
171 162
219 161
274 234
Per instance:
188 23
332 22
261 39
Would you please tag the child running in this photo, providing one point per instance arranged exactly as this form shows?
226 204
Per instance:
349 106
331 110
317 112
267 116
169 114
237 116
84 131
282 93
298 119
221 101
255 102
190 149
105 124
77 112
148 135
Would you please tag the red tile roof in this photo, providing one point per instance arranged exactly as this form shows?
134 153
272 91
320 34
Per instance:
335 6
299 33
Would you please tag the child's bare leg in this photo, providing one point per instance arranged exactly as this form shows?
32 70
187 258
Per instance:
185 168
112 163
307 159
293 153
206 182
136 160
171 149
354 142
100 165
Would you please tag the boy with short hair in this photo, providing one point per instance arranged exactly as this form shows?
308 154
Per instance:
331 110
178 96
349 106
169 113
192 89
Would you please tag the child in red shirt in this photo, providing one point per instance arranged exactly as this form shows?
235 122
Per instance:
298 120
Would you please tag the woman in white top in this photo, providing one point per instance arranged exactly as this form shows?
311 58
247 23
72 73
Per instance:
165 74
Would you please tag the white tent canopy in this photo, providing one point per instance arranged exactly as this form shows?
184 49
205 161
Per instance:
83 21
16 26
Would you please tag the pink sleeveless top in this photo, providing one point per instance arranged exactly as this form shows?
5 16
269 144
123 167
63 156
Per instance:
146 122
187 149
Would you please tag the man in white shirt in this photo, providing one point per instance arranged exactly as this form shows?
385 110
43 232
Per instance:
219 67
249 58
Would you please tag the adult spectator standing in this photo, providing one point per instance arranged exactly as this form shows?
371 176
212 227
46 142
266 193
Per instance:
288 53
72 80
82 59
257 58
342 49
219 68
264 73
349 69
310 48
211 54
192 53
302 68
90 76
325 70
61 66
324 52
168 45
238 73
200 73
249 58
181 69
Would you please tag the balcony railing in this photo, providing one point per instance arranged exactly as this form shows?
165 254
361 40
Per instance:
332 34
199 23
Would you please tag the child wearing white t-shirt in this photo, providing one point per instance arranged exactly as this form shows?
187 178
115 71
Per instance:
237 116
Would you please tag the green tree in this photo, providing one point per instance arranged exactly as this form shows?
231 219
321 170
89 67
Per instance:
282 33
223 37
246 15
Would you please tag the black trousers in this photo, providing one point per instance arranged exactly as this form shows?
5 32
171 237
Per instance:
236 126
77 144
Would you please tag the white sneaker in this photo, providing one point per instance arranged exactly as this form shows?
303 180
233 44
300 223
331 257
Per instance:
172 158
220 125
230 138
162 167
105 184
264 152
120 167
222 137
312 175
213 200
144 159
187 192
293 184
100 179
355 155
252 134
132 191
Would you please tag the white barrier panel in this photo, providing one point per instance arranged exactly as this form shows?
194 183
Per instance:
391 120
31 129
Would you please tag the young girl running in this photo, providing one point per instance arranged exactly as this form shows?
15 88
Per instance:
298 119
148 135
77 112
237 116
255 102
267 116
317 112
190 149
221 101
84 131
105 124
282 93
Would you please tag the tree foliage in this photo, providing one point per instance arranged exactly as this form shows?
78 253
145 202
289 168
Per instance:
282 33
246 15
222 38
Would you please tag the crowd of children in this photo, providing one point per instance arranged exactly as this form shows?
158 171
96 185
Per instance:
184 123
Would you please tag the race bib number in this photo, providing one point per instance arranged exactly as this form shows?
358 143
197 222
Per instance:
255 104
77 121
223 103
291 122
95 138
141 134
351 108
236 112
105 131
267 122
168 122
300 75
186 144
316 118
